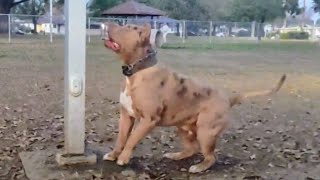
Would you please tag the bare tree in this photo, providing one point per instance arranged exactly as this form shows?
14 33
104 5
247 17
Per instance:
32 7
5 7
290 9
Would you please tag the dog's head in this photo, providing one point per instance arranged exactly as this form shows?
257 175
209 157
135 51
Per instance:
128 41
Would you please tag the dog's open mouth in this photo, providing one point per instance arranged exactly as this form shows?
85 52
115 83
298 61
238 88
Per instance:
109 43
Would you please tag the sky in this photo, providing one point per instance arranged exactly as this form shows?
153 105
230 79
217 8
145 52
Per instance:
309 4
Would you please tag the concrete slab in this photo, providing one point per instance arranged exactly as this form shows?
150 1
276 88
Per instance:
36 166
42 165
64 159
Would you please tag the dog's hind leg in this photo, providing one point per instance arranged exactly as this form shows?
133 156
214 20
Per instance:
125 126
189 143
208 130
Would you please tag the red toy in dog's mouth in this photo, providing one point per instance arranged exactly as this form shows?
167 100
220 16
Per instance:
109 43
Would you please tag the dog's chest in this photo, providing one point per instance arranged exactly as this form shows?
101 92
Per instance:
126 101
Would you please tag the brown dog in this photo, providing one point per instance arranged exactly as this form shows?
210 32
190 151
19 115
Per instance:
159 97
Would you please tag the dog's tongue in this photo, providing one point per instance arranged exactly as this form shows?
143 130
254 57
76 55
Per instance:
111 45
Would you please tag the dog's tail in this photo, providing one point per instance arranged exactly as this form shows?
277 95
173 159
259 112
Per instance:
237 99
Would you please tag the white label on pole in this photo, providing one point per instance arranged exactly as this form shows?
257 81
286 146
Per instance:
75 86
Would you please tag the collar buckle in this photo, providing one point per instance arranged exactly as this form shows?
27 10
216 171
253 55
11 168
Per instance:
127 70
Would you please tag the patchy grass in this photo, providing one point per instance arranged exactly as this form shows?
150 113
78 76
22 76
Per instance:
296 46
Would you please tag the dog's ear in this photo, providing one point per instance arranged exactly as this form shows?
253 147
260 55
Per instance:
145 33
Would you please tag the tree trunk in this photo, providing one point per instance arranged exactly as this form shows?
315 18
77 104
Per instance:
4 24
230 31
185 31
259 32
285 22
178 29
214 30
34 21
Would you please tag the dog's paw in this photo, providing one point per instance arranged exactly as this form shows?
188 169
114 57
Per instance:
173 156
195 169
168 155
179 155
198 168
121 162
109 157
124 158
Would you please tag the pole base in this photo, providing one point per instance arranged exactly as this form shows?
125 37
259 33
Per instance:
67 159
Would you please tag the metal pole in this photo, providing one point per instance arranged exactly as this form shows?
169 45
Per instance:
9 28
103 30
210 32
74 86
50 21
75 53
89 29
155 24
253 28
184 31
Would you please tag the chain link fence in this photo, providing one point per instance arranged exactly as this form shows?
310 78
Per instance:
14 27
176 32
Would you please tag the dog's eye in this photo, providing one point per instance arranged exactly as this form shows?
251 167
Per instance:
135 28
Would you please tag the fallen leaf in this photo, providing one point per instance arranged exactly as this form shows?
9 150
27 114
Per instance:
252 177
252 157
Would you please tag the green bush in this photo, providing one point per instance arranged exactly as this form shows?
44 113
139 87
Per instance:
284 36
294 35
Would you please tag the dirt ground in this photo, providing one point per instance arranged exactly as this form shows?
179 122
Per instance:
274 137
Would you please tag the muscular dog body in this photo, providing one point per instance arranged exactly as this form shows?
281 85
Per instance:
157 96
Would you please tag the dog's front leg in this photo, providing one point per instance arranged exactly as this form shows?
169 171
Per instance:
143 128
125 126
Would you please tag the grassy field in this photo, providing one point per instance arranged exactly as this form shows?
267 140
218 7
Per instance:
237 44
269 137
